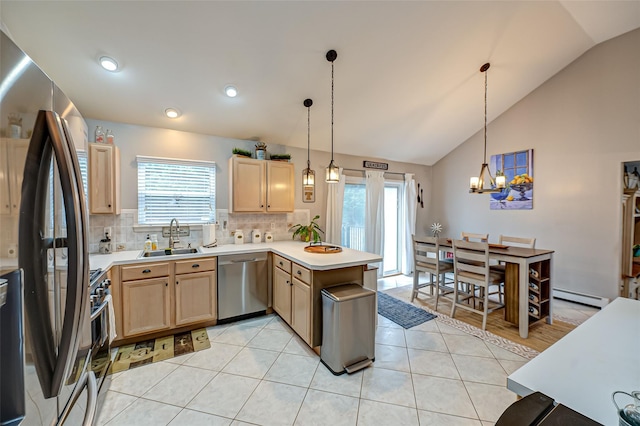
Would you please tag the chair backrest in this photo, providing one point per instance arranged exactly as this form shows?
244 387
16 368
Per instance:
468 236
422 248
471 261
517 241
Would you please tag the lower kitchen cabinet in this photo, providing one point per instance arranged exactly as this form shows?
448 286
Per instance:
292 296
301 309
153 297
195 297
146 306
282 293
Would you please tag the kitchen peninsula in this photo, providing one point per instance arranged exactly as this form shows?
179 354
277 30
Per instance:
296 297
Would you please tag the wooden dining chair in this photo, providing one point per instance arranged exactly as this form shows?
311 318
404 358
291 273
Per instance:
500 267
472 278
426 254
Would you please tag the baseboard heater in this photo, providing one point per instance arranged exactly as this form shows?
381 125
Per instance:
585 299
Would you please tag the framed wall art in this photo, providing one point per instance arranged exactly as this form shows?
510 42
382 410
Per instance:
308 194
517 168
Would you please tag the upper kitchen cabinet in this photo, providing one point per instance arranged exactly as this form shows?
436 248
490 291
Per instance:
13 153
260 186
104 179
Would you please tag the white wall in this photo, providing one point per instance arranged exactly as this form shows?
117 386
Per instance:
139 140
582 124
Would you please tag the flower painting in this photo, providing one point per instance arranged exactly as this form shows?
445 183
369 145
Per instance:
517 167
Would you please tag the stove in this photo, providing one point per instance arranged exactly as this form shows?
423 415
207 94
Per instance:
100 298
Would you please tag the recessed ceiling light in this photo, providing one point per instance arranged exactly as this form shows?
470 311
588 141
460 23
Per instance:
108 63
172 113
231 91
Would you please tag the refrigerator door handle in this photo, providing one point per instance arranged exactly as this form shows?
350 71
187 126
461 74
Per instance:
53 360
86 381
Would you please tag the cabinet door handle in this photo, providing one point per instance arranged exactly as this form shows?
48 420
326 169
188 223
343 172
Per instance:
195 265
299 272
166 284
269 206
146 271
281 264
177 282
109 206
261 205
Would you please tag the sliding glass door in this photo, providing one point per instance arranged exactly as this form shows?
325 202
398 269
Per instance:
353 219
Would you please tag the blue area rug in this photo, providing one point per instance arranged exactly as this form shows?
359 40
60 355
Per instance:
400 312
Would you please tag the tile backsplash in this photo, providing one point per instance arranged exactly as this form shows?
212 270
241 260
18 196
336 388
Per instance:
127 235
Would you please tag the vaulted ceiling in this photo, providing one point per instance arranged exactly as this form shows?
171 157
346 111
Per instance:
407 80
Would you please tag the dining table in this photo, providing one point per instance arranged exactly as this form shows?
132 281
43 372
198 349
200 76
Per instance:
523 266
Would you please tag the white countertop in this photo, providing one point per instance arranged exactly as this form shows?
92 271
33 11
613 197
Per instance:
585 367
292 250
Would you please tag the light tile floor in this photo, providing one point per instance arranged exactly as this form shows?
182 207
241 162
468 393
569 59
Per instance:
259 372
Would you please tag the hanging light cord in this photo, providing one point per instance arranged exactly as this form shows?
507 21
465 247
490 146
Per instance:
331 111
308 137
485 116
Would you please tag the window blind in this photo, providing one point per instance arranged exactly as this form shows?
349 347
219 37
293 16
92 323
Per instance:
168 188
83 160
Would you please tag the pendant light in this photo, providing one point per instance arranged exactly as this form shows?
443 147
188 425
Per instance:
308 175
333 171
476 184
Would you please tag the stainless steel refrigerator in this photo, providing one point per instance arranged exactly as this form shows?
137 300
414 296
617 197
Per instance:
45 333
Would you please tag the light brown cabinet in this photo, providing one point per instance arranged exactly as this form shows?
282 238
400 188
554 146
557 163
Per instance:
146 306
153 297
282 288
13 153
301 309
260 186
196 288
104 179
292 295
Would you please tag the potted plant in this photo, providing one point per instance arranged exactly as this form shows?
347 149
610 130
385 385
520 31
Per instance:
281 157
243 152
308 233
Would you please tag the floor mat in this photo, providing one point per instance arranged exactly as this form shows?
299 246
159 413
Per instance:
402 313
149 351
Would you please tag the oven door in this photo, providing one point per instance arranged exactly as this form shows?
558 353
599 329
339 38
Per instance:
100 334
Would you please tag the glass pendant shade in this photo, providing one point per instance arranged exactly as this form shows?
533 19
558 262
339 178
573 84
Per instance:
308 177
333 173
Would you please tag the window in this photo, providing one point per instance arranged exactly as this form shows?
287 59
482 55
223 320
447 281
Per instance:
353 218
353 214
513 163
168 188
83 160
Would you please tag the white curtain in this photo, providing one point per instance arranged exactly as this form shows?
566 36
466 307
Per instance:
409 221
374 214
335 200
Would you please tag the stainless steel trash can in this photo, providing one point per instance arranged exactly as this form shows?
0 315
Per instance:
348 328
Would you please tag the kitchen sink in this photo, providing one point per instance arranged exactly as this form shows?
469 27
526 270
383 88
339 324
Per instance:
169 252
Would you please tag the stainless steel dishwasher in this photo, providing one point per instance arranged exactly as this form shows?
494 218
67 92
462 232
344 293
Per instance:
242 285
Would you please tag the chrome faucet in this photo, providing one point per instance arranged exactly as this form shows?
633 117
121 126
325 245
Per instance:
173 241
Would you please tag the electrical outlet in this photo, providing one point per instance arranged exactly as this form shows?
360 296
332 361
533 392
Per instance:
224 225
273 226
107 232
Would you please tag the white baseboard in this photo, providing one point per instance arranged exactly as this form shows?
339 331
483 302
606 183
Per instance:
585 299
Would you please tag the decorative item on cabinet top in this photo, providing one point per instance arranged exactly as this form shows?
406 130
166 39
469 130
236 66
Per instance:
280 157
242 152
